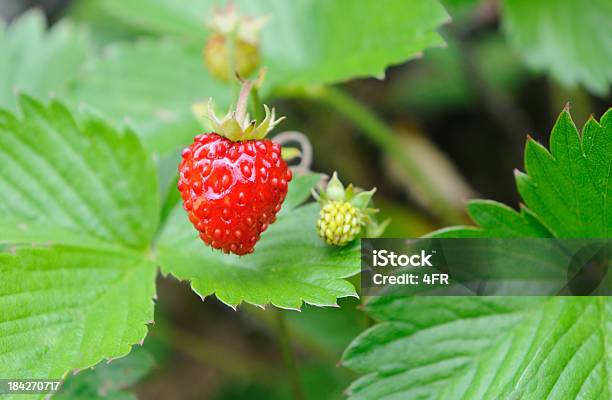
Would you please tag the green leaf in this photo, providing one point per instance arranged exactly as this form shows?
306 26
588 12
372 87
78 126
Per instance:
66 308
79 209
506 347
497 220
299 191
109 380
151 84
38 62
558 351
485 348
344 43
570 187
421 343
300 52
291 264
568 38
65 183
321 331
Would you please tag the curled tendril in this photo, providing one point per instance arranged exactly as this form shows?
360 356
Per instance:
301 139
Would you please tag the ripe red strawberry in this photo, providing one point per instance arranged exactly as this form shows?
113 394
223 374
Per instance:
233 186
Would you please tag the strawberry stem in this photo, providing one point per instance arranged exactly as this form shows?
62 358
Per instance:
243 100
256 106
289 361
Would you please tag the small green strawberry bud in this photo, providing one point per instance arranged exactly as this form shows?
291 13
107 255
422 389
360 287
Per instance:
217 58
344 211
233 46
339 223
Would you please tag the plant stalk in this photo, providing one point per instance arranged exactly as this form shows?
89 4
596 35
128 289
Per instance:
231 53
243 100
289 362
384 137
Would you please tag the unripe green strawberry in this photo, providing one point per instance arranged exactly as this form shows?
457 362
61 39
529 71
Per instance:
344 212
233 46
217 60
339 223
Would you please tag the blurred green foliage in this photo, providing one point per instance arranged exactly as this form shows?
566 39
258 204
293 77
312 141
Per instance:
439 82
109 380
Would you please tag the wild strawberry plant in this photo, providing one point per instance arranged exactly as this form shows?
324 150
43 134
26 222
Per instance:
80 211
89 210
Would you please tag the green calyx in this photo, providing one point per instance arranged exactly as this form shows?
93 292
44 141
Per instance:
237 125
335 191
345 211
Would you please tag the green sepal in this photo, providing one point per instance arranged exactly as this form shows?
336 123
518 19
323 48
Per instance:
349 192
362 199
199 112
318 196
335 189
237 125
375 229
